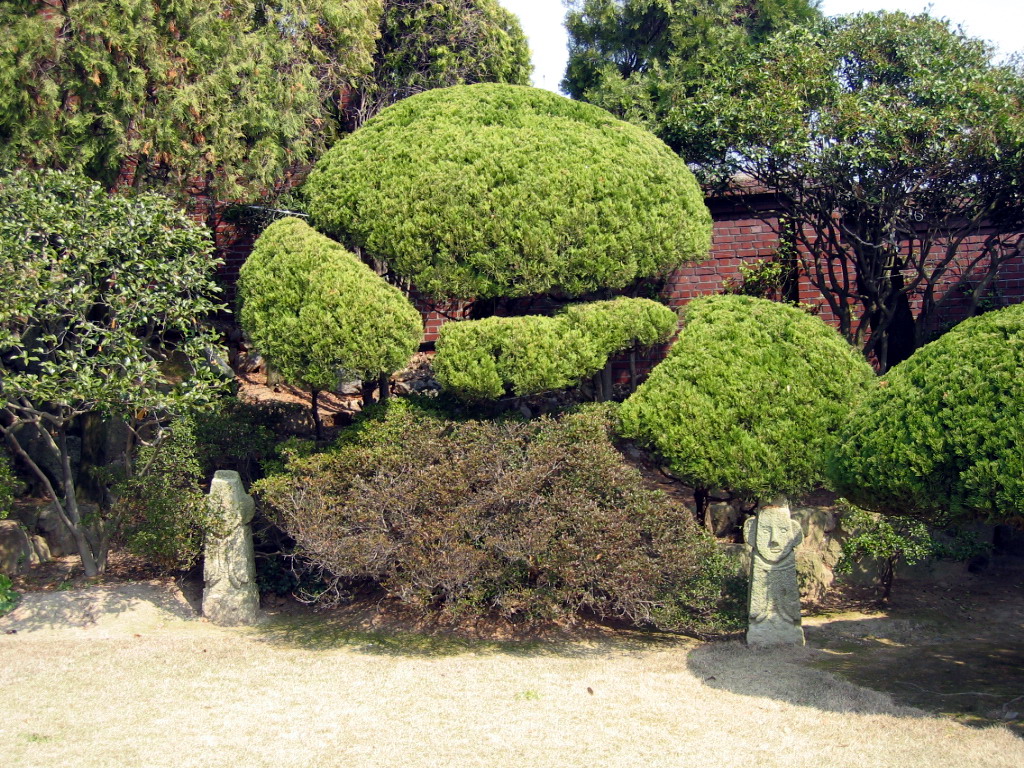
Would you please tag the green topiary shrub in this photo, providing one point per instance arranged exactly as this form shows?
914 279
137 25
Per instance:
529 520
494 190
485 359
940 436
749 398
318 314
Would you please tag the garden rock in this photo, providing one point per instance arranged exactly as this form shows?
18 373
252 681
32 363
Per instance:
16 552
59 538
774 596
230 597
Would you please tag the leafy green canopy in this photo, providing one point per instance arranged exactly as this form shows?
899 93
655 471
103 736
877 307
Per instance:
436 45
103 301
749 398
941 435
894 139
482 191
318 314
100 296
230 94
482 359
636 58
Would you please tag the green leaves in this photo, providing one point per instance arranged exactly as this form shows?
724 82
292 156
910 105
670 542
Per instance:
482 359
102 300
318 314
940 436
497 190
231 95
749 398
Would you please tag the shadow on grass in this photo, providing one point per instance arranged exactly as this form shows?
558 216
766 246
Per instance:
879 665
431 639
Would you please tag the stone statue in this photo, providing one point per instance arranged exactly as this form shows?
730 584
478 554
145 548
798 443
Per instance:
229 571
774 595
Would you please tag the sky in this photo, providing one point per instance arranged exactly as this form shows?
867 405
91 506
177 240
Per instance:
999 21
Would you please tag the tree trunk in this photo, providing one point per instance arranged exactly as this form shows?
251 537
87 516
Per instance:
318 429
607 382
384 387
632 370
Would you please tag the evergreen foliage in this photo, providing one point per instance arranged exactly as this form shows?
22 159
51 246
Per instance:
749 398
485 359
318 314
436 45
488 190
895 141
939 437
103 300
639 58
227 94
531 521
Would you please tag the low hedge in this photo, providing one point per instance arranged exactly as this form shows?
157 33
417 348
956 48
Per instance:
486 359
530 520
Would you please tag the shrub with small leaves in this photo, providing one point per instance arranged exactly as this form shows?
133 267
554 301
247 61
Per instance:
484 359
493 190
749 399
528 520
940 435
164 509
895 539
8 483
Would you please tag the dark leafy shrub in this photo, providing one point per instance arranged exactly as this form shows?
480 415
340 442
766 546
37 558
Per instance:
8 484
237 435
162 506
528 520
941 435
750 397
489 190
484 359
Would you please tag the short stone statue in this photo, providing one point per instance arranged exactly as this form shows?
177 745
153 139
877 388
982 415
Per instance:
774 594
229 596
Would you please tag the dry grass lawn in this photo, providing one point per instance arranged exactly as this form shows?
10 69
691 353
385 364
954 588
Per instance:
127 676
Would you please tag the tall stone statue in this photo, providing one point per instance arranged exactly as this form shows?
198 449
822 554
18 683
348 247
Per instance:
229 572
774 594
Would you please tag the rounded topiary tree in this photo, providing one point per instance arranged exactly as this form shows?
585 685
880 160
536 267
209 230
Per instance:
940 436
482 359
749 399
319 315
493 190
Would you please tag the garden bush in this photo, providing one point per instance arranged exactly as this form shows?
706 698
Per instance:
484 359
163 509
528 520
319 315
749 399
940 435
493 190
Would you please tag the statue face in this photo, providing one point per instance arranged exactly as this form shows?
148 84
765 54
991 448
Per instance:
777 534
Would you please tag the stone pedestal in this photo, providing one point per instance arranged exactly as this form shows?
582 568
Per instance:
230 597
774 595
